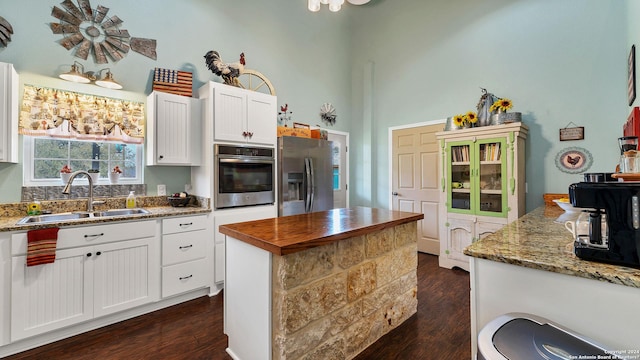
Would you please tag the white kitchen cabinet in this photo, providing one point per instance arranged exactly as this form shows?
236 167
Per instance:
239 115
184 254
229 216
8 113
173 130
482 185
99 270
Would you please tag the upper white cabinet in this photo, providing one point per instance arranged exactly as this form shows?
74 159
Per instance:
173 130
8 113
240 115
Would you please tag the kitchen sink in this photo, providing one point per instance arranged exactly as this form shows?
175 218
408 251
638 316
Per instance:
120 212
50 218
38 219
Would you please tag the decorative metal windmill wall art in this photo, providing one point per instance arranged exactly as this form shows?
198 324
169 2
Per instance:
5 32
91 30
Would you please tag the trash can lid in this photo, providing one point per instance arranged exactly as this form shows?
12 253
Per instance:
522 338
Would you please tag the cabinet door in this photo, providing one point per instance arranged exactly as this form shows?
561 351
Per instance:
51 296
459 171
126 275
172 129
230 114
230 216
261 119
459 235
486 228
491 177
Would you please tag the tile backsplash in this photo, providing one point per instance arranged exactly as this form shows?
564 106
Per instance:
30 193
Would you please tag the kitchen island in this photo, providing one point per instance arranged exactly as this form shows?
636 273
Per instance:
320 285
529 267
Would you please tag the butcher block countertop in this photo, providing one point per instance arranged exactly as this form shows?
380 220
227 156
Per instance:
539 240
290 234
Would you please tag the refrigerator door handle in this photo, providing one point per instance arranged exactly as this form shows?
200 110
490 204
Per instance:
312 191
308 171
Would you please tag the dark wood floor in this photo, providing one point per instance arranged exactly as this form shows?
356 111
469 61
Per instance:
193 330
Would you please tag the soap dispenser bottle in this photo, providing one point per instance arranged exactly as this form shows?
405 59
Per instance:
131 200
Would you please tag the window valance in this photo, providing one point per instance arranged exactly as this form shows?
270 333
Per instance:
67 114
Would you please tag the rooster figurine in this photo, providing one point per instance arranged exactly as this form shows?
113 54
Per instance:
229 72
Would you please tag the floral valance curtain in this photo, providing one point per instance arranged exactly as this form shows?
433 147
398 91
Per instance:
66 114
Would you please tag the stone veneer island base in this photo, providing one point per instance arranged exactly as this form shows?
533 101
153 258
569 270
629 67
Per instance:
318 286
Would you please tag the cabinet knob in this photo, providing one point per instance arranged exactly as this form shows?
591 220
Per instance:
160 157
98 253
88 254
395 193
250 134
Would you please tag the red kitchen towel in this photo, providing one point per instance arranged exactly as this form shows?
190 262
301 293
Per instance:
41 246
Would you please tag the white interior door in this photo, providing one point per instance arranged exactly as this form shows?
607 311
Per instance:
414 158
340 169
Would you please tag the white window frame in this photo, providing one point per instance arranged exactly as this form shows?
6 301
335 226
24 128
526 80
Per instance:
27 169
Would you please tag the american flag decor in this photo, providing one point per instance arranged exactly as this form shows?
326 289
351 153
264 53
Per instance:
172 81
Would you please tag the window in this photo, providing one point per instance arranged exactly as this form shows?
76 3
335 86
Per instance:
44 157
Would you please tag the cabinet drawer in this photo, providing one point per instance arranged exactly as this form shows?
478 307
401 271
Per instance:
183 277
91 235
182 224
183 247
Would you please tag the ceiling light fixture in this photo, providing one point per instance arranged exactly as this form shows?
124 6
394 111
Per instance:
334 5
78 75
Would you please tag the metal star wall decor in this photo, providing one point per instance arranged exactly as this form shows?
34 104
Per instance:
90 30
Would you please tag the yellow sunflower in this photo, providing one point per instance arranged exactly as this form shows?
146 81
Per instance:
501 104
471 117
458 120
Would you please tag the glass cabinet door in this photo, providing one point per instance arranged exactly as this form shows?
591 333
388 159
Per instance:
460 156
491 171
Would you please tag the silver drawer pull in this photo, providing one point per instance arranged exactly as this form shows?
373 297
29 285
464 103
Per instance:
186 224
93 235
185 247
185 277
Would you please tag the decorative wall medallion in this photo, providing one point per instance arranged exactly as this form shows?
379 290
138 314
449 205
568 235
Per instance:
5 32
574 160
90 30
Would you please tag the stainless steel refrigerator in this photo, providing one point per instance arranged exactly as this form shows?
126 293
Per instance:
305 168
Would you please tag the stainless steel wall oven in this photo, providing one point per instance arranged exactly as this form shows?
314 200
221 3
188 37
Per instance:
244 176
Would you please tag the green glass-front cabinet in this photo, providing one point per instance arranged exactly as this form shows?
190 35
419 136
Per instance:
482 185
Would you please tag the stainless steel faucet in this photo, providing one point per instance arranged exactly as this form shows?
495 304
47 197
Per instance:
90 201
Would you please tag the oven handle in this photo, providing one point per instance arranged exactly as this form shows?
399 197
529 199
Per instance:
245 160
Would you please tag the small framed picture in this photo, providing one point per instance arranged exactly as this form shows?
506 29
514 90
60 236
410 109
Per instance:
631 81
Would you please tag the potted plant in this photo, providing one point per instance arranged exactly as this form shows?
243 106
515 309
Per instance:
95 175
65 173
114 175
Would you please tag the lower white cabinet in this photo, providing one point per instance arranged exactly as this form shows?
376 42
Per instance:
229 216
460 233
184 254
98 270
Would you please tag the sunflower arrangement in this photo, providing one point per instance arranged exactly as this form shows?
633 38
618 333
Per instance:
461 120
503 104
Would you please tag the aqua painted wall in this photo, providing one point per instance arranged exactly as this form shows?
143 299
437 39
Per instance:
305 55
560 62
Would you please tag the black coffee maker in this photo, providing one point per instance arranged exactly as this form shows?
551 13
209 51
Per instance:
616 206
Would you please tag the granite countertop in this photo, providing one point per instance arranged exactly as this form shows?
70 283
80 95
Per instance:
289 234
157 207
538 241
